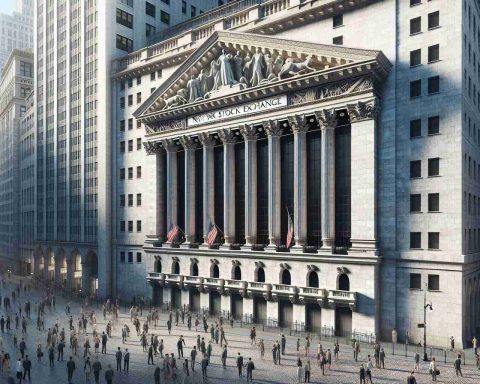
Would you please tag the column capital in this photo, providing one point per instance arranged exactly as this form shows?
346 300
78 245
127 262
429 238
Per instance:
272 128
327 118
206 139
153 148
363 110
170 145
249 132
298 123
188 143
227 136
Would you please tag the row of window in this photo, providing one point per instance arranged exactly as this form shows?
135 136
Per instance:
433 168
433 202
129 82
432 285
416 240
130 145
433 55
130 125
130 200
433 127
416 23
130 257
472 239
129 227
130 173
130 100
433 86
471 203
471 166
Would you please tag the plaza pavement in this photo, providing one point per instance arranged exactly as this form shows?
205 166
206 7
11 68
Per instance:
343 371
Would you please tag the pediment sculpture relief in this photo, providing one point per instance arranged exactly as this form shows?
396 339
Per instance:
233 72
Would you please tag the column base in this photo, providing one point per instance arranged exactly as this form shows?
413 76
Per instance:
271 248
186 245
225 247
246 247
363 246
296 248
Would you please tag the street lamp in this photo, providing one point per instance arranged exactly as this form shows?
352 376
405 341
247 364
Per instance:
425 306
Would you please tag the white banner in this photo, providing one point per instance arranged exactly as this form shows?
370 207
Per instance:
238 110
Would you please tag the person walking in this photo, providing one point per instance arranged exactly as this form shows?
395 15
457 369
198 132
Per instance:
104 343
185 369
109 375
369 369
458 365
416 359
362 374
19 370
96 368
51 356
239 363
261 345
150 355
274 353
382 358
284 343
27 366
193 356
250 368
204 364
224 357
70 369
118 357
433 369
126 360
87 368
300 372
253 335
180 344
156 374
475 345
411 379
356 350
306 370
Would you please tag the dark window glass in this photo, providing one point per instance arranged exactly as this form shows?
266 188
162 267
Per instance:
124 18
122 147
150 9
433 20
433 240
139 172
415 168
130 124
215 272
415 240
433 53
342 185
194 269
237 273
260 275
337 21
130 257
122 257
415 281
122 200
139 226
124 43
130 83
314 229
193 11
415 2
287 182
122 173
184 7
122 226
434 282
415 128
218 177
122 102
343 282
122 125
149 30
313 279
433 202
415 57
139 80
130 200
416 88
199 192
433 125
338 40
433 84
415 25
139 199
262 191
130 226
286 277
139 257
415 202
181 191
165 17
166 2
240 193
152 76
176 268
130 100
434 167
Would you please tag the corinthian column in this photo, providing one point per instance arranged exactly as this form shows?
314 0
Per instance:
328 121
228 138
208 183
250 136
299 127
274 132
189 146
172 183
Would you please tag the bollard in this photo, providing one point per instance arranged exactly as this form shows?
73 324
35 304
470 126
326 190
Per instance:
445 354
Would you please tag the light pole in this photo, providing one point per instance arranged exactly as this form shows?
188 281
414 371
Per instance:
425 306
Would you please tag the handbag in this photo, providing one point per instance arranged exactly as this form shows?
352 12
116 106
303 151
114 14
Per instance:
437 372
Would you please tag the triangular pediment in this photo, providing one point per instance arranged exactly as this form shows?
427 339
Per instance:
231 67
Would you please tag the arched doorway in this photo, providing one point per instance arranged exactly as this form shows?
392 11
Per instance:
51 266
61 268
343 282
313 279
157 266
176 268
90 274
260 278
215 272
194 269
285 277
77 270
237 273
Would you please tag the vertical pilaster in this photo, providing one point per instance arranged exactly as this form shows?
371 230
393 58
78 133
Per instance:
189 145
208 183
274 132
299 127
228 138
85 278
70 272
172 183
250 136
364 175
328 121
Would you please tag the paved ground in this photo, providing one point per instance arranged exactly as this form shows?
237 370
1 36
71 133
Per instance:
343 371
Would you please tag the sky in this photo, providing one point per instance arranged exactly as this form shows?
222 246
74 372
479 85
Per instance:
6 6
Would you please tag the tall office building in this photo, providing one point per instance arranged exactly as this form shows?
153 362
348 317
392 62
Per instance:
15 86
16 30
75 43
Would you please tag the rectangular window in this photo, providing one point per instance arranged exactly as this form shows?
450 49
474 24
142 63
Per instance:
122 102
127 2
124 18
415 169
124 43
415 25
130 257
415 128
184 7
139 257
139 97
433 53
130 173
433 282
337 20
130 124
165 17
139 144
415 2
193 11
149 9
416 203
415 240
433 240
139 80
166 1
26 69
122 257
159 73
130 226
139 172
122 125
433 84
139 199
122 226
139 226
139 124
122 147
149 30
130 83
434 167
130 200
415 281
122 173
338 40
130 100
433 202
122 200
415 57
433 20
130 145
433 125
122 85
415 88
152 76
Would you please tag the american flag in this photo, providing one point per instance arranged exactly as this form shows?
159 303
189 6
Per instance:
290 233
212 234
173 233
